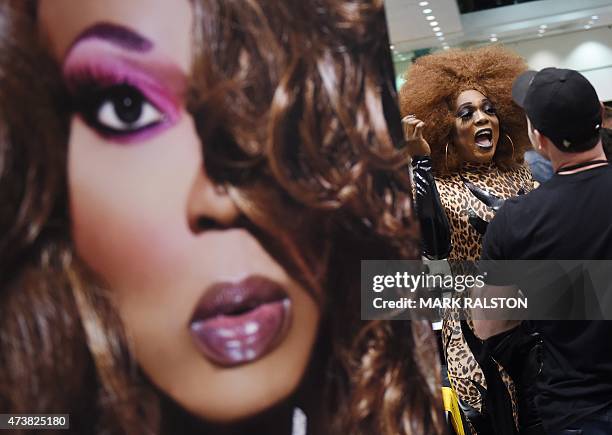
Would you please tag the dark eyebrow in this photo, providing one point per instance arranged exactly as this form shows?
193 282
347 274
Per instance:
116 34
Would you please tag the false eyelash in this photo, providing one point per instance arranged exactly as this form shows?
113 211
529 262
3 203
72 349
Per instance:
92 76
88 81
91 84
90 101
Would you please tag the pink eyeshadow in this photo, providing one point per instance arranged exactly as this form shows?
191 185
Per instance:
92 62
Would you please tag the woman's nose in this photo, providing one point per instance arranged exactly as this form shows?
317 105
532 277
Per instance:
481 118
209 205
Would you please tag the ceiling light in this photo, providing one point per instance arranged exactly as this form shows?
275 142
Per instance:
433 23
436 29
423 3
439 33
430 18
493 39
427 11
541 31
587 27
595 17
446 47
392 47
543 26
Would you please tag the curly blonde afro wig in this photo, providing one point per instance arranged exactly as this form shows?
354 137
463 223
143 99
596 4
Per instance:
435 81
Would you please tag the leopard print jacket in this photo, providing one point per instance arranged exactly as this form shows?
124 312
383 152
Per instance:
458 204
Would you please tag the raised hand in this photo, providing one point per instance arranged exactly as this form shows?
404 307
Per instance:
413 135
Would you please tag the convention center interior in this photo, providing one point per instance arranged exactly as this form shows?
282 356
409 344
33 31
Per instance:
305 217
439 48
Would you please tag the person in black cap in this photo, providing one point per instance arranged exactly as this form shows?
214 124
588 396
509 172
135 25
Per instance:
565 219
564 109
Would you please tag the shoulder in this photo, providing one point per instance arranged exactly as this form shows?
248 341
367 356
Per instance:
516 206
513 224
495 239
502 233
607 171
517 212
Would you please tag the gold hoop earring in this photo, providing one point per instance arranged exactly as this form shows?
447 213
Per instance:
446 156
511 143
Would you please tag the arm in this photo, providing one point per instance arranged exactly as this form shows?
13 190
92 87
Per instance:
486 328
435 228
495 282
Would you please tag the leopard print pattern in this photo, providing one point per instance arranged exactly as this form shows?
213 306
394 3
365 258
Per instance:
457 200
463 370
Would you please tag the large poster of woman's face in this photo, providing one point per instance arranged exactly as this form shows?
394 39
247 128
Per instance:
187 191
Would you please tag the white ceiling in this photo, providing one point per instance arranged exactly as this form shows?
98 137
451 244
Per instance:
409 29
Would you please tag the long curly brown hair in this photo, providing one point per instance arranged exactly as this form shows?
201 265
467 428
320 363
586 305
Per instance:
295 105
433 84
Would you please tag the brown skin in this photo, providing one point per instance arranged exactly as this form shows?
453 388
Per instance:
435 81
413 134
63 336
474 113
133 206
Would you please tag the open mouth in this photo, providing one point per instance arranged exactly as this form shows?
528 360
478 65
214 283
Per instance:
484 138
235 323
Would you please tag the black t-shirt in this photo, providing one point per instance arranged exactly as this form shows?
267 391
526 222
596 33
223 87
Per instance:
568 217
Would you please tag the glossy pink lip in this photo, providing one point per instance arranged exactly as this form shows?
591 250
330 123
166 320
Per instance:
235 323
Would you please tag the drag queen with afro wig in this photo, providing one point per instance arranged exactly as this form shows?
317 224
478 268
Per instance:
467 139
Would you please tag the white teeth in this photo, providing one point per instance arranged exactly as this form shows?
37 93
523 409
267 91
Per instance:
486 133
484 138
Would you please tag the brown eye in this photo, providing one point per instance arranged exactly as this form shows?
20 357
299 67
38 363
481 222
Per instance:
119 109
126 109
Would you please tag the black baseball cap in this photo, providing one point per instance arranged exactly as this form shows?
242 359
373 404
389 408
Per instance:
562 105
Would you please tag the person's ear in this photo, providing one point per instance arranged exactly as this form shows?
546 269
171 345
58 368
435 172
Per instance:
542 143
